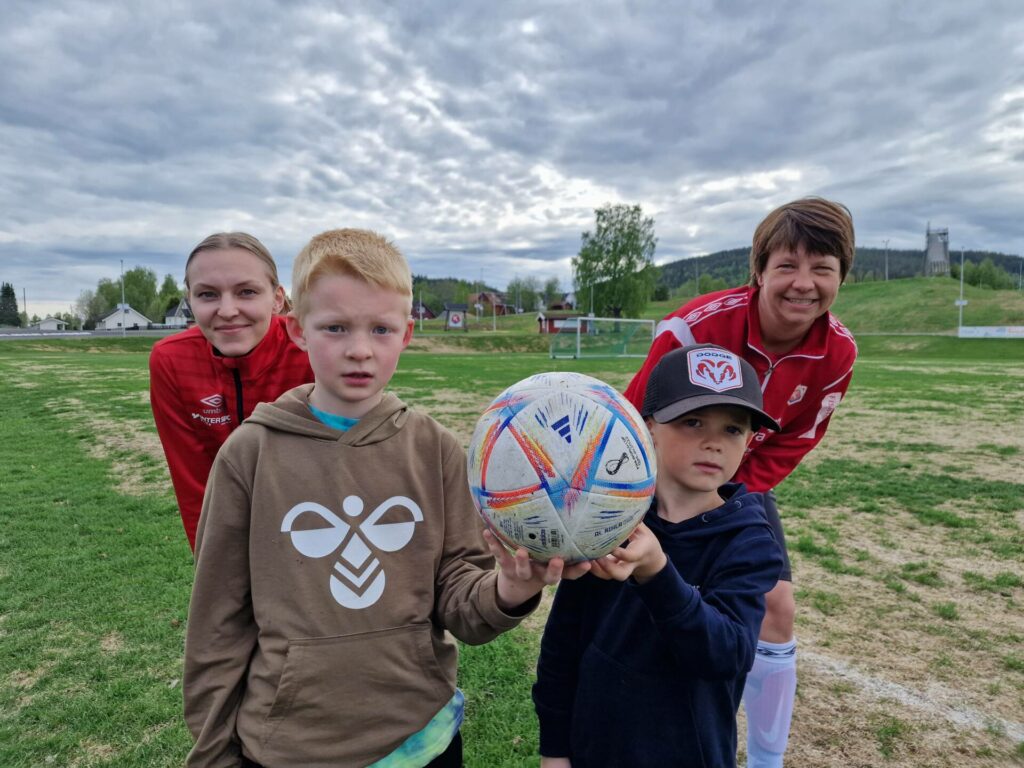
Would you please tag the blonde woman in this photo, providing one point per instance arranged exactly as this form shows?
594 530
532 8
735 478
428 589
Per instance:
204 381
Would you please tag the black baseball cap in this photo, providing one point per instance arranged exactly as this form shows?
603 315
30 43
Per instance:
701 375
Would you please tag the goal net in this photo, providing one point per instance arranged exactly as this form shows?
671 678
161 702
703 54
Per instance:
602 337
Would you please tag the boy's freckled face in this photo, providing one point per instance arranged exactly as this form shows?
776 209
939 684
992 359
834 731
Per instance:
701 449
354 333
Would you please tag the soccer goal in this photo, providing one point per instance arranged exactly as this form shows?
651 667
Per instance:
579 337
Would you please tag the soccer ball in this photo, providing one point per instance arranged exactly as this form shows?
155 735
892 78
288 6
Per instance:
563 465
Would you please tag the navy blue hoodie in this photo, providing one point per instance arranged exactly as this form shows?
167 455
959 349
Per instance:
634 675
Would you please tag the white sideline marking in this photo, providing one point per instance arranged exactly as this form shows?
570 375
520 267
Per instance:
936 700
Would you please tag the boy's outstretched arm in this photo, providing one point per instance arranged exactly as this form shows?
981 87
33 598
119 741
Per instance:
520 578
466 583
712 630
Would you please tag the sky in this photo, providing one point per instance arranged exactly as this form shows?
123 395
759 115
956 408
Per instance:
481 137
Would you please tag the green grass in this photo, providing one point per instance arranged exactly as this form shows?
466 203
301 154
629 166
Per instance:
890 732
94 581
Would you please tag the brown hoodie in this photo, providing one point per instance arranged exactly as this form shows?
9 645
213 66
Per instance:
328 567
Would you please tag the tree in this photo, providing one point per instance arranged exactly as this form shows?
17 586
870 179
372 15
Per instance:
984 275
74 323
704 284
523 292
166 299
90 307
108 295
9 314
616 262
552 291
140 290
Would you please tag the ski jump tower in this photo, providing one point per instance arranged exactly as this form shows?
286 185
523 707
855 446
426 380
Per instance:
936 251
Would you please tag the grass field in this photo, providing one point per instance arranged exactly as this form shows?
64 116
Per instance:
906 529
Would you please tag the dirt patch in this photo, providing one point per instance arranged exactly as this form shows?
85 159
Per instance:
844 719
456 411
963 437
93 753
112 643
42 369
856 715
437 346
920 652
936 370
25 678
135 455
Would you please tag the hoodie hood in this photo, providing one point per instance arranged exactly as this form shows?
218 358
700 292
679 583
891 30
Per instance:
290 413
739 509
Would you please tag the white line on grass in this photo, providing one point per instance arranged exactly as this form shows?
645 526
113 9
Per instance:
935 701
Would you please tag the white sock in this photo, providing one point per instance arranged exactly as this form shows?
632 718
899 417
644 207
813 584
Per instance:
768 697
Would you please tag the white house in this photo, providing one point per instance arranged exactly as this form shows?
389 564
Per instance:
180 316
122 317
51 324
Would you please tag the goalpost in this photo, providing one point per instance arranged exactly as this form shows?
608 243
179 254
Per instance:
580 337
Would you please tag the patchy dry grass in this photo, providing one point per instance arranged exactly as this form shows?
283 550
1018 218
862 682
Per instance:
906 530
132 449
910 589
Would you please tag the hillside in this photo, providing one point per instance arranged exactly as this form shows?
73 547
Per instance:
923 305
911 305
733 265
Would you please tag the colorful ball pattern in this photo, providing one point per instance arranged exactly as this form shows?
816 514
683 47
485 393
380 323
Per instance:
563 465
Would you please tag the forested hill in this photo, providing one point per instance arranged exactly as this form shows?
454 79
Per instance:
733 266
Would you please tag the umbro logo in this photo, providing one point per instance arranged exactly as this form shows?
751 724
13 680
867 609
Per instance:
214 401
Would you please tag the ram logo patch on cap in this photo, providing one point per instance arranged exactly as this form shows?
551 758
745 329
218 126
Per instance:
714 369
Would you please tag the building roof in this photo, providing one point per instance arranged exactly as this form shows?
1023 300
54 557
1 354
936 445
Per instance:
123 308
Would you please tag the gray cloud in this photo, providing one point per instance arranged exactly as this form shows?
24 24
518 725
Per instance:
481 138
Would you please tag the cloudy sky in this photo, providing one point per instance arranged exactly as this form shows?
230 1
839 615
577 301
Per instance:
481 136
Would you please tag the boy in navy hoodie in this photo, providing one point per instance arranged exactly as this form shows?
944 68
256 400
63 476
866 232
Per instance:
643 661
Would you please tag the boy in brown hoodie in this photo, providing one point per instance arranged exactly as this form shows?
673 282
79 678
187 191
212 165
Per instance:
338 546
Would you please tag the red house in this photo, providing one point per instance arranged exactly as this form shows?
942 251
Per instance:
561 322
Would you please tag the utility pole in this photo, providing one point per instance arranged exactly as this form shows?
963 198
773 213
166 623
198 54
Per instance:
960 303
124 307
886 259
420 310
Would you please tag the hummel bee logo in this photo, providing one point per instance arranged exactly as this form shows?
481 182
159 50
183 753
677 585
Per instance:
358 579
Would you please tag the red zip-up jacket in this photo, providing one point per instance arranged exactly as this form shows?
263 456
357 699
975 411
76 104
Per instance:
199 397
801 388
